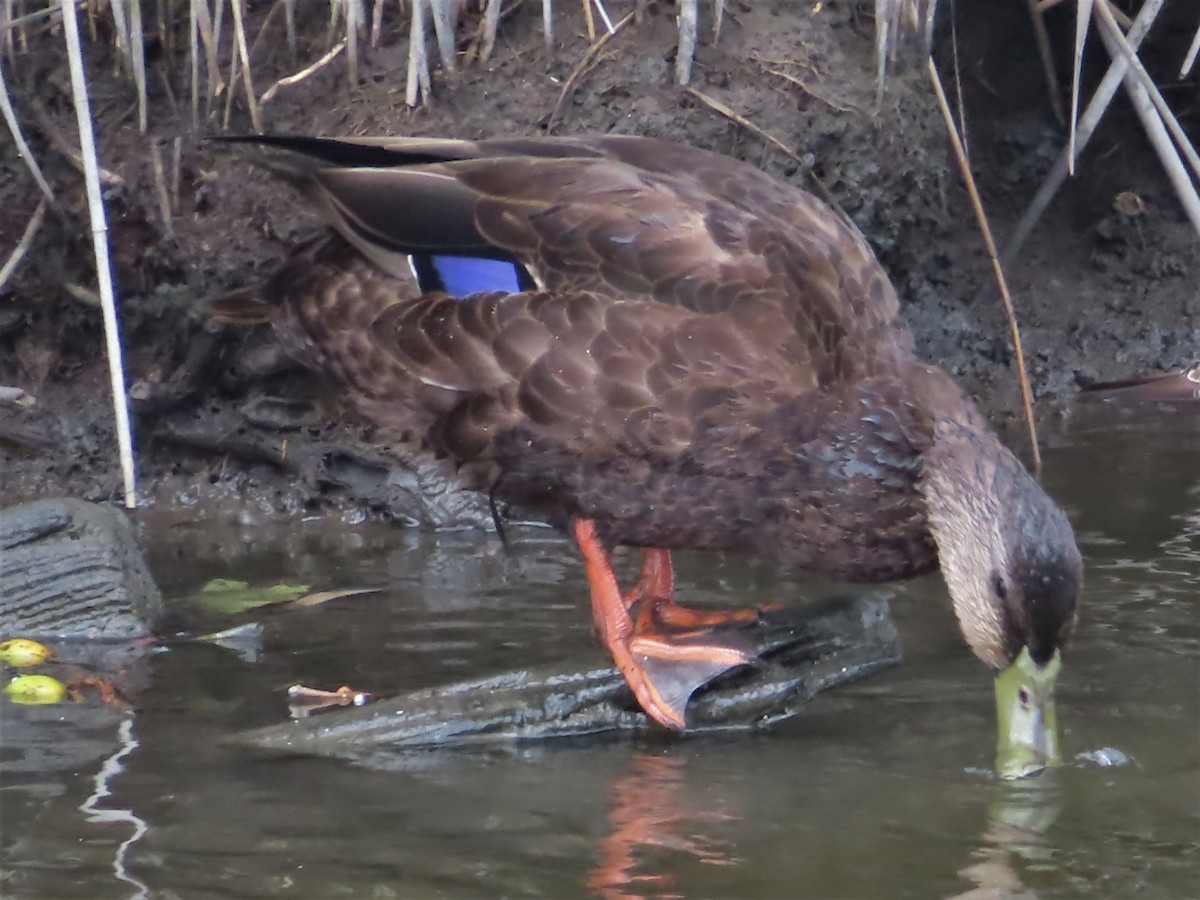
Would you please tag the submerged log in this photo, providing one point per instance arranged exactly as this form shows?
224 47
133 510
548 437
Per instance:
73 570
801 651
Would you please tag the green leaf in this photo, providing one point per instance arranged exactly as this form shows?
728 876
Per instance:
223 595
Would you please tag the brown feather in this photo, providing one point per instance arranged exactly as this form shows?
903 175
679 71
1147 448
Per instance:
710 359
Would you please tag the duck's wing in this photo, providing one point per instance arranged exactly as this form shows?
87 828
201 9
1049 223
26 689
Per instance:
622 218
575 376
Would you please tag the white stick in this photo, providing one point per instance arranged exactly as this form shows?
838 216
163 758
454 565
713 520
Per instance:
1087 125
1083 17
301 75
604 15
1115 43
445 18
137 59
194 64
1152 121
688 12
1190 59
416 87
376 21
491 22
112 337
352 25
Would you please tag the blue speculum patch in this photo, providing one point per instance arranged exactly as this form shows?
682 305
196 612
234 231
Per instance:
460 276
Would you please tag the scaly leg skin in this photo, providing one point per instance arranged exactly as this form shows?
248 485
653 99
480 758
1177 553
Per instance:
661 670
653 595
657 579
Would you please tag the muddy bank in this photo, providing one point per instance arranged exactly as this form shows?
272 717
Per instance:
224 424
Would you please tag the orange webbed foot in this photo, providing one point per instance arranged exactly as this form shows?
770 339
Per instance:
663 667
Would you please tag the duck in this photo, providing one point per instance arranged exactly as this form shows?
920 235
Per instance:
657 346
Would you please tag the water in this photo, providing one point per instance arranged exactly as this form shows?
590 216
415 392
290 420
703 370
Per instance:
882 789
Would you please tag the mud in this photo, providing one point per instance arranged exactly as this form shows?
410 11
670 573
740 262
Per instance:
224 425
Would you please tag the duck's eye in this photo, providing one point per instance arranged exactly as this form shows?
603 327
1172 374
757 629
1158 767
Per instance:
1023 696
1000 587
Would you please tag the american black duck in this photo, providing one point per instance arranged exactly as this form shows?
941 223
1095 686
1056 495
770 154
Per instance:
663 347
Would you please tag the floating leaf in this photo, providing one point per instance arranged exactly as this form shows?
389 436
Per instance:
230 597
22 652
33 689
244 640
318 597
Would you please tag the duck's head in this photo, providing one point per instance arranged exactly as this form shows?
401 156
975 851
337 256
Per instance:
1013 570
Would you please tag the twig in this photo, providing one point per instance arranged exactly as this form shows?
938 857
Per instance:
240 35
892 19
832 104
1153 112
83 295
689 11
582 66
608 23
112 335
289 19
1087 125
109 179
31 230
445 18
160 186
194 63
1117 45
210 35
231 88
1083 17
376 22
353 11
176 162
1190 59
262 29
589 20
766 136
50 12
121 27
418 84
14 127
137 60
1043 44
491 22
998 271
296 78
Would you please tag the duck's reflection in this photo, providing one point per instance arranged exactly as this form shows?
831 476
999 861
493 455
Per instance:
654 808
1015 836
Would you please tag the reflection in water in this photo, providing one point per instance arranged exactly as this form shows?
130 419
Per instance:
1185 546
1016 833
653 806
864 798
112 767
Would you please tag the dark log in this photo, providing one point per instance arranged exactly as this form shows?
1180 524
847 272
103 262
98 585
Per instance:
801 651
73 570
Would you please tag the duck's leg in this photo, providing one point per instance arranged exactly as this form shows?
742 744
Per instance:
662 670
657 578
654 596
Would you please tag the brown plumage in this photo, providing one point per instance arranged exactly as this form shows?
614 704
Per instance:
692 355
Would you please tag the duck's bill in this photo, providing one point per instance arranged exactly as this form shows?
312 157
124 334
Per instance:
1028 738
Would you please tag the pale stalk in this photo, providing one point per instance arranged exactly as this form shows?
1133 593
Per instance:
112 337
